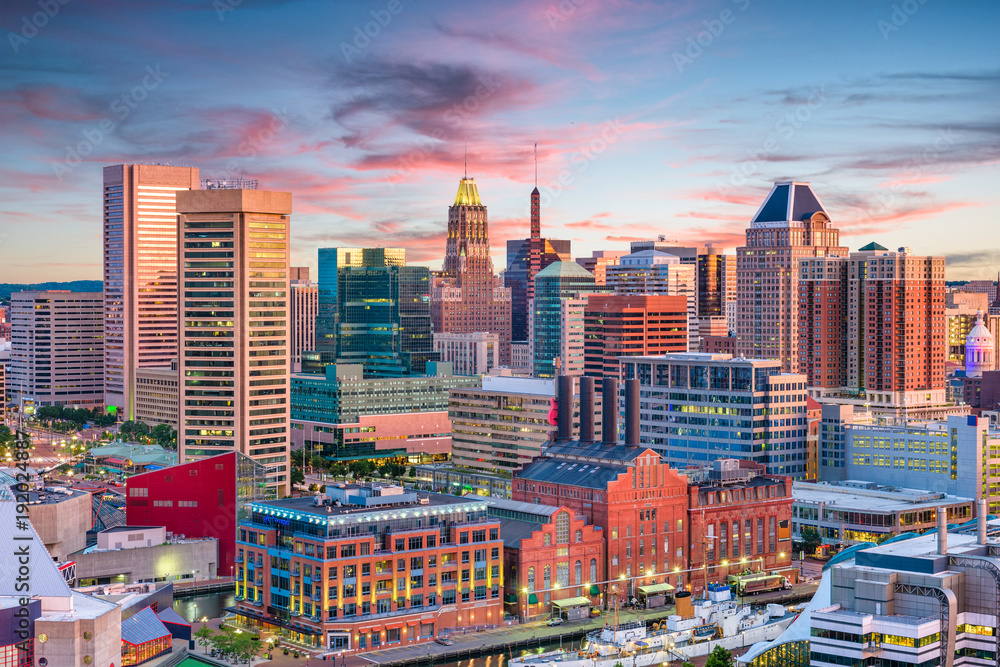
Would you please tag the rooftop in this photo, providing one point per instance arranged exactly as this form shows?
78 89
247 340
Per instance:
468 193
564 270
436 502
575 473
788 202
878 499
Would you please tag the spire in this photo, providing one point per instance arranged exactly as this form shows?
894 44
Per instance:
536 166
466 160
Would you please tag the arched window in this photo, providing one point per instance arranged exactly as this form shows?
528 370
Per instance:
562 528
548 540
531 578
579 536
547 580
593 569
578 573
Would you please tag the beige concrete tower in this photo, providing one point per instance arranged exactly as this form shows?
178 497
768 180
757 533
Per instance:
140 273
235 332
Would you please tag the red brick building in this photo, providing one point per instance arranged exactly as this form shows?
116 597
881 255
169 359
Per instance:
739 518
623 325
719 345
197 499
369 566
550 554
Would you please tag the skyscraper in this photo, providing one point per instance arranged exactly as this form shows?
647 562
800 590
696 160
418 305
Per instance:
872 325
374 311
790 225
140 273
305 303
620 325
561 291
652 271
57 348
466 296
525 258
234 334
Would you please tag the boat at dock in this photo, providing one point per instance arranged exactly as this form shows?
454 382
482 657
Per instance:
703 625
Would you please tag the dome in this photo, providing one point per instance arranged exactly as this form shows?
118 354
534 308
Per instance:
978 349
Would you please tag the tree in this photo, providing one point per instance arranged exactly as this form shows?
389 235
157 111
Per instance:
687 664
412 473
811 539
719 657
298 477
245 647
204 636
164 435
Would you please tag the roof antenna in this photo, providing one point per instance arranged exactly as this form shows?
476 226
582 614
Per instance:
536 164
466 159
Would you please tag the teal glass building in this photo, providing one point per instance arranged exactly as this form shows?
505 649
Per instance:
554 285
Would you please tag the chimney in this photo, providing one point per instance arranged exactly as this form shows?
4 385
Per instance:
564 399
586 410
942 531
609 396
632 412
981 525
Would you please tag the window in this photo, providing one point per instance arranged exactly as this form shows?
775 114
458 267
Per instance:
562 528
416 543
347 551
579 536
547 540
593 569
531 578
578 573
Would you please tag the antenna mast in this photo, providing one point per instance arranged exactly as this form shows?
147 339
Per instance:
536 164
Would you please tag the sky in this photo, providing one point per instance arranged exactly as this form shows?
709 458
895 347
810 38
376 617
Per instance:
650 118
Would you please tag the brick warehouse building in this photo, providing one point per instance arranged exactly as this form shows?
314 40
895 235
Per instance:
546 547
738 518
369 566
639 503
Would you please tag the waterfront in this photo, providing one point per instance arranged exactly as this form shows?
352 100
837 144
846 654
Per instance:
209 605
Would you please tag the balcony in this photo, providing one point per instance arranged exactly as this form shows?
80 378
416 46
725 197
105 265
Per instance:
257 603
238 559
296 613
316 596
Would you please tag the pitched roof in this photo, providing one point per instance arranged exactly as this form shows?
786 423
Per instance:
143 627
512 531
576 473
168 615
468 193
46 579
872 246
562 270
788 201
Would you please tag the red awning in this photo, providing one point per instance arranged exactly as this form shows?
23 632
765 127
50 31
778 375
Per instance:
111 459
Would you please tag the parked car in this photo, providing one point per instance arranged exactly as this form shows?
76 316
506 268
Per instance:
555 621
444 641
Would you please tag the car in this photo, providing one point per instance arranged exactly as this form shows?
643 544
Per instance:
444 641
555 621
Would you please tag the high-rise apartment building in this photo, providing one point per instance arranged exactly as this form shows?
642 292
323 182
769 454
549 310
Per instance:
469 353
140 273
305 307
560 297
234 334
623 325
872 325
57 348
697 408
651 271
791 225
469 298
525 259
373 310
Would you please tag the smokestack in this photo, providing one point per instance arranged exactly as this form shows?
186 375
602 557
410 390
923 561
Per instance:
564 398
586 409
982 521
942 531
609 396
632 412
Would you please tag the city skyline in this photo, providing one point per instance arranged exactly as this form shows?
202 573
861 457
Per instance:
670 119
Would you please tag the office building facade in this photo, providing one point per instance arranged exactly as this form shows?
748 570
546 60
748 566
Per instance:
140 273
57 349
305 308
701 407
560 297
235 331
156 395
625 325
469 353
652 271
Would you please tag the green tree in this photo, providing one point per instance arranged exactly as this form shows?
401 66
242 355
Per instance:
318 463
687 664
298 477
222 642
164 435
811 539
719 657
314 487
204 635
245 647
412 473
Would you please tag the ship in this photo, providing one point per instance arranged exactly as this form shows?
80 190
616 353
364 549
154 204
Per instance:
696 631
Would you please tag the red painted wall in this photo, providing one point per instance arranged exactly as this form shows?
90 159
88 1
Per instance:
210 483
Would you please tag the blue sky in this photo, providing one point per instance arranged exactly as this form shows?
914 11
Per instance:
651 118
